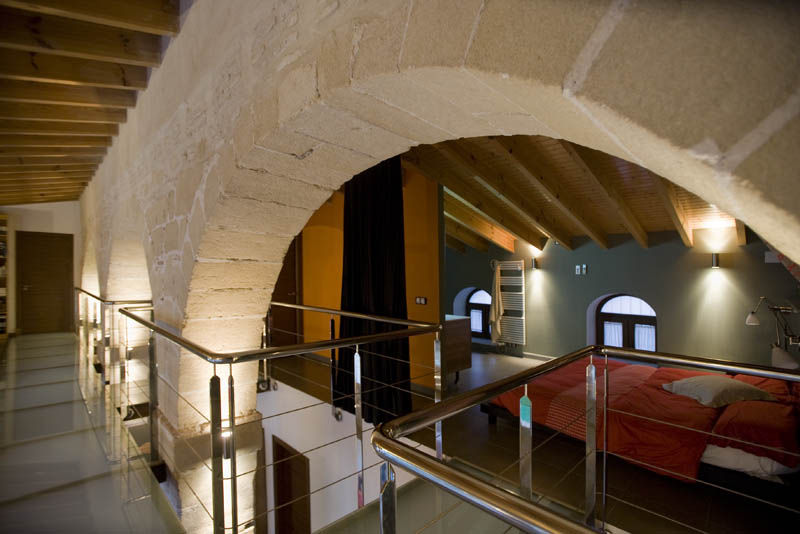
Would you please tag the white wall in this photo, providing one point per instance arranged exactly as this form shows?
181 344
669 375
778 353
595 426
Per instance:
306 429
54 217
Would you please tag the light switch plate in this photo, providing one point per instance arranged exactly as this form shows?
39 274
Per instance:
578 270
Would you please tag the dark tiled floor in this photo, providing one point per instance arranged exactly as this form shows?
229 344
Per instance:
639 500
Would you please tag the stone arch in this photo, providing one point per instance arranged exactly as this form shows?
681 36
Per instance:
382 78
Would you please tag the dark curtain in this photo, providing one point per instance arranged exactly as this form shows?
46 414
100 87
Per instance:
374 282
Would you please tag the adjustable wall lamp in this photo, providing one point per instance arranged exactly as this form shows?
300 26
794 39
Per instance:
781 323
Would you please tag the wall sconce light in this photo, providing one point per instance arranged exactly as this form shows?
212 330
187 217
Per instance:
715 260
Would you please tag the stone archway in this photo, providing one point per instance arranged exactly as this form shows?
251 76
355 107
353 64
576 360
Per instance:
240 138
380 83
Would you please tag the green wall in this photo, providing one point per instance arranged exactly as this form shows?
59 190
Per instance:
700 311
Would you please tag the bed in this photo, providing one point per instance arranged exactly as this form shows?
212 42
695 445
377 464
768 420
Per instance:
666 432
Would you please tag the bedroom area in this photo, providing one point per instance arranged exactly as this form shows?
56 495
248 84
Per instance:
680 447
650 320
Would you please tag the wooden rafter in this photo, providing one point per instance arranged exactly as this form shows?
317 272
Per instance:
78 175
63 161
494 181
158 17
32 32
457 230
454 208
455 244
32 66
56 112
42 183
491 209
26 151
741 233
610 192
33 169
522 155
8 200
71 95
54 140
57 128
666 191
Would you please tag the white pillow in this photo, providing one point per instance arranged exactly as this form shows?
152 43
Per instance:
716 390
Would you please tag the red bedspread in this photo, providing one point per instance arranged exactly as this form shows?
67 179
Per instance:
559 402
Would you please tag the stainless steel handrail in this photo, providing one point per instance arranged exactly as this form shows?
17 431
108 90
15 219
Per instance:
269 353
506 506
115 302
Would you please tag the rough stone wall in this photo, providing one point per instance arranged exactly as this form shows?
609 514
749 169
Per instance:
261 109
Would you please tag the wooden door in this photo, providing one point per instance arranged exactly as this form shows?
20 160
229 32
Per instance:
287 323
292 483
44 282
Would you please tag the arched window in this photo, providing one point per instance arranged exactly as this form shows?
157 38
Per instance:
626 321
478 304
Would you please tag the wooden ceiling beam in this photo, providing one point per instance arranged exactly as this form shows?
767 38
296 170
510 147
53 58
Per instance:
456 209
491 209
469 163
158 17
63 161
48 189
69 95
32 66
741 233
78 175
32 32
33 169
522 155
26 151
54 140
610 192
666 192
43 183
11 200
57 112
457 230
57 128
455 244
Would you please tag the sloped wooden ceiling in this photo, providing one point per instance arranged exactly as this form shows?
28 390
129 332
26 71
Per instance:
538 188
69 71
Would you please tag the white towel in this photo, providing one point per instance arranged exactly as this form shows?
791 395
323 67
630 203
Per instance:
496 309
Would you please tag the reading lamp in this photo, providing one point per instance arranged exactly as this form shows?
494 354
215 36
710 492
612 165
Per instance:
789 338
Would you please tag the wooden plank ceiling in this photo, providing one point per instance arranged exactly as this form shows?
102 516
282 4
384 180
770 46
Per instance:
69 71
531 189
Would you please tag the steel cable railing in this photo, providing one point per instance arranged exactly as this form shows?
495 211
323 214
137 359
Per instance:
519 511
224 513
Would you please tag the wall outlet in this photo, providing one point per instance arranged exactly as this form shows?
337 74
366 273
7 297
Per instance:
583 269
578 270
421 300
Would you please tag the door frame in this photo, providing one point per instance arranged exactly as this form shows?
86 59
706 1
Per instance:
19 327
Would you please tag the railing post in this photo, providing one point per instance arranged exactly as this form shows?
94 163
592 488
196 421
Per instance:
152 364
232 449
388 502
265 381
217 491
335 412
359 432
605 439
525 445
437 384
591 444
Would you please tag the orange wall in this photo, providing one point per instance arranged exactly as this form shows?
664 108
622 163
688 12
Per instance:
322 266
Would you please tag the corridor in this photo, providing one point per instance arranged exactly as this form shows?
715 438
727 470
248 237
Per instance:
58 469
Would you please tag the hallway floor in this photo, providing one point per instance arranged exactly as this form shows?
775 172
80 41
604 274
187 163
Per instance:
55 472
